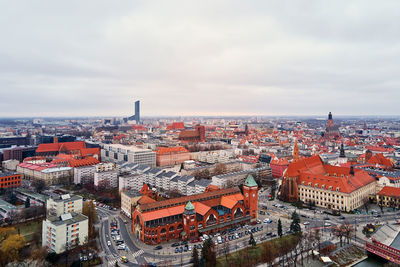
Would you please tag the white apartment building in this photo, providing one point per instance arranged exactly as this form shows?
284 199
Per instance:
61 232
237 178
106 175
130 154
56 206
131 181
201 185
166 179
84 175
183 181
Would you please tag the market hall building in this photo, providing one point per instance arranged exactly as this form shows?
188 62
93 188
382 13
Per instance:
189 217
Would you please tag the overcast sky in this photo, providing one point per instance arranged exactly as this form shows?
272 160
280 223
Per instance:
94 58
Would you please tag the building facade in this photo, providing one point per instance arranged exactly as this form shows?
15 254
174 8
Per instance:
189 217
64 204
170 156
106 175
8 180
130 154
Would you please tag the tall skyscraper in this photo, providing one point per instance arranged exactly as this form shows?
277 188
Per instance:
137 112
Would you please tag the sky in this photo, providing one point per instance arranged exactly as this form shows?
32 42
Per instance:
95 58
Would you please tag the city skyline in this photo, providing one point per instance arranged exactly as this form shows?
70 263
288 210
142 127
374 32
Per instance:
209 59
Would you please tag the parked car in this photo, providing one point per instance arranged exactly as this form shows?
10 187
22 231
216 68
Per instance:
158 247
185 249
184 243
108 243
180 249
306 223
121 247
176 250
175 245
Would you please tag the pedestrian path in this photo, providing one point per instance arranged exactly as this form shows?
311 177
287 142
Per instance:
111 260
137 253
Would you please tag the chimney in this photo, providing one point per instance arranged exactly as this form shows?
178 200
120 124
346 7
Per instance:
351 170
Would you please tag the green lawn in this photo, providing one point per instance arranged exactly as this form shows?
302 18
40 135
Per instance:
29 228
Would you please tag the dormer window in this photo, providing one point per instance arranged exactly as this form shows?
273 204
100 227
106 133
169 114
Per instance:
337 189
330 187
323 186
302 183
316 185
309 183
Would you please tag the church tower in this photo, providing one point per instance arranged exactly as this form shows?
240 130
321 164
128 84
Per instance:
250 192
189 221
295 151
342 157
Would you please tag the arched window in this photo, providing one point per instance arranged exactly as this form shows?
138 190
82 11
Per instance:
247 213
211 219
171 229
163 231
238 213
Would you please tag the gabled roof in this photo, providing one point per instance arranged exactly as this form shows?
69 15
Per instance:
390 191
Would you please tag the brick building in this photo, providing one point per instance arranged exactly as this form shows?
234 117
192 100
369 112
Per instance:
196 135
188 217
170 156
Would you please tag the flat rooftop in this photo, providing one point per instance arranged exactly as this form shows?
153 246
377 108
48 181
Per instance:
75 218
130 148
5 174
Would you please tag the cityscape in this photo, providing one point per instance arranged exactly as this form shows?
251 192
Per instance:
183 133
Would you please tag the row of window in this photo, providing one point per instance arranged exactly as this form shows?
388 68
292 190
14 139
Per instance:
10 178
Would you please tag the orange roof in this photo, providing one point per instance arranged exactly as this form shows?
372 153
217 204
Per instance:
83 162
157 214
200 208
228 201
381 160
51 147
390 191
313 164
145 199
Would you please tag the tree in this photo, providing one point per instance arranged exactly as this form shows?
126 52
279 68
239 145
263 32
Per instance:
5 232
13 198
295 225
12 245
27 202
195 258
280 232
252 241
39 185
365 202
269 253
338 232
208 254
89 210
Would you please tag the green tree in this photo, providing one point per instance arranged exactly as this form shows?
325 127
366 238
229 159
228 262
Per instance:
252 241
280 232
208 254
27 202
295 225
195 258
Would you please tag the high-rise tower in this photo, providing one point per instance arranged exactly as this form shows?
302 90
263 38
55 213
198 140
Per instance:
137 112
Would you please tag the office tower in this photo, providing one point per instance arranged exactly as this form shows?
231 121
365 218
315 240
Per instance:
137 112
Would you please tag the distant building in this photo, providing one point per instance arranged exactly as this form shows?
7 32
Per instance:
77 148
176 126
49 173
128 154
237 178
278 166
10 165
19 152
332 130
136 116
105 175
84 175
130 199
170 156
196 135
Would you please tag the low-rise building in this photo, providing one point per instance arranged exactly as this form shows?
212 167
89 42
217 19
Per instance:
47 172
389 197
8 180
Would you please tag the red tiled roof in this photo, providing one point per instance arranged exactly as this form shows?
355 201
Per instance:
145 199
152 215
83 162
381 160
200 208
313 164
52 147
390 191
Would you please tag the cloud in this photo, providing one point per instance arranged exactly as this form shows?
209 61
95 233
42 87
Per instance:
94 58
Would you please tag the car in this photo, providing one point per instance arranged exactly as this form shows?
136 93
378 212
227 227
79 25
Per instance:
85 258
185 249
269 234
180 249
229 238
258 221
121 247
108 243
263 238
158 247
378 215
306 223
119 242
216 242
342 217
223 233
183 243
175 245
326 218
124 259
327 224
176 250
190 248
273 235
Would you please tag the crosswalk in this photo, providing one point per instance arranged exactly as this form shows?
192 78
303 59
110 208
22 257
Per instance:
138 253
112 260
